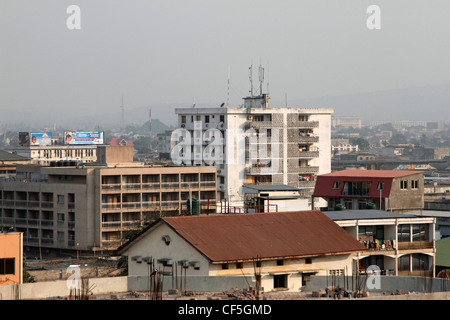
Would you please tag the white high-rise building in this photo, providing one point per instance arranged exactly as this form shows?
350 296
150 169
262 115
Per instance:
255 144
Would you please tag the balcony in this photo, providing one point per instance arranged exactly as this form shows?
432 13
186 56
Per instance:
306 184
261 124
151 185
111 186
47 204
111 206
415 245
191 184
309 169
131 205
172 203
170 185
260 170
304 154
303 139
208 184
303 124
111 224
131 186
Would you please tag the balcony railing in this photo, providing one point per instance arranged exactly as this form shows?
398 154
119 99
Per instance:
111 186
303 124
415 245
208 184
110 206
309 169
127 205
170 185
173 203
150 185
131 186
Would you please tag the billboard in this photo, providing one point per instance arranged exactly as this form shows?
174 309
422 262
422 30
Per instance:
40 138
83 137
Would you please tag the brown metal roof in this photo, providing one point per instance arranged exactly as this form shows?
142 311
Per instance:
237 237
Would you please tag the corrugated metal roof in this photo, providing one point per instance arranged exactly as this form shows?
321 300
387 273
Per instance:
365 214
370 173
237 237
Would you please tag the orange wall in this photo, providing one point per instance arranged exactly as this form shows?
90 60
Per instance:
11 247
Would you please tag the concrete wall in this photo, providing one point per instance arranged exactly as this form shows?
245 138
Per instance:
389 284
60 288
194 283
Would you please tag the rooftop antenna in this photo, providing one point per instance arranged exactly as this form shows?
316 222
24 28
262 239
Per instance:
250 76
123 115
261 78
228 90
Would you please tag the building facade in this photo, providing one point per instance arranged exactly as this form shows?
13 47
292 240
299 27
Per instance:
94 207
11 257
390 190
256 144
279 250
398 244
44 155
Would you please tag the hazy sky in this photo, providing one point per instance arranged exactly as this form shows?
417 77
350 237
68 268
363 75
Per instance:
180 51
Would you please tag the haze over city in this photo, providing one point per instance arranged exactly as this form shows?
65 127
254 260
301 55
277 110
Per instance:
163 55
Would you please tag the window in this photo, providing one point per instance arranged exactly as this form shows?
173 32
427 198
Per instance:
206 119
403 184
60 217
419 232
404 263
60 198
183 119
239 265
380 186
60 235
352 188
404 233
222 118
280 280
8 266
414 184
419 262
224 266
302 117
280 262
308 260
336 185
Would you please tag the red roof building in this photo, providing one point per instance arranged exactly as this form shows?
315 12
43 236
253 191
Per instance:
115 142
390 190
288 245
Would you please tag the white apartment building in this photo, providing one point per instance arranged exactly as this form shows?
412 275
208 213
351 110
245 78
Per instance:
44 155
255 144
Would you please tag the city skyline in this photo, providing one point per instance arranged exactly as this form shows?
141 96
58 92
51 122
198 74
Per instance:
169 54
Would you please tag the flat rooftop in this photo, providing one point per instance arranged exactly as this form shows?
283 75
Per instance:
365 214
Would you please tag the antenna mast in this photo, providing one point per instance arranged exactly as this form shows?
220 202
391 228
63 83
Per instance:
261 79
228 91
123 115
250 76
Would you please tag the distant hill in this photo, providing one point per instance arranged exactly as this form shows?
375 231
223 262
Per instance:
430 103
414 103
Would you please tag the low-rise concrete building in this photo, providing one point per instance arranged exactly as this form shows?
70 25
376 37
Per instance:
399 244
390 190
279 250
11 257
94 207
